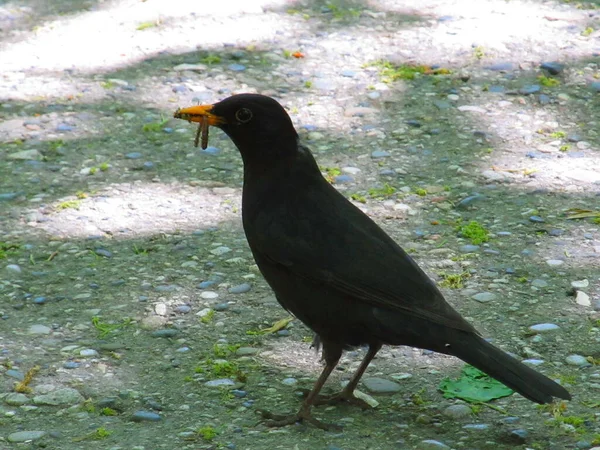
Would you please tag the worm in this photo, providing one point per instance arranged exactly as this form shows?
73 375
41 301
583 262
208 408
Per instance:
204 128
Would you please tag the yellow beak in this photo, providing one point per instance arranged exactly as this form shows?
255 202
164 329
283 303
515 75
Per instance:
199 114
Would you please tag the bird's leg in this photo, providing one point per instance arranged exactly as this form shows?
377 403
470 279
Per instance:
347 394
332 356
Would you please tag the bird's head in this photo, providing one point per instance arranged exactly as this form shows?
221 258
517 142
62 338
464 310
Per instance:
255 123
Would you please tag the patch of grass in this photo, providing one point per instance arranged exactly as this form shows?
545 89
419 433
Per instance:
145 25
105 328
565 148
69 204
587 31
558 135
331 172
383 192
96 435
391 72
474 231
7 249
358 198
108 412
208 317
155 127
478 52
308 84
224 350
522 280
548 81
339 12
104 166
207 433
55 145
421 192
454 281
93 170
211 59
108 85
81 195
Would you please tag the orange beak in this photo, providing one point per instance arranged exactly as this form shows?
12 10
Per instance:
199 114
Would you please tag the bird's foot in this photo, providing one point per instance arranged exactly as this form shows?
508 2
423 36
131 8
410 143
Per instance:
343 396
302 416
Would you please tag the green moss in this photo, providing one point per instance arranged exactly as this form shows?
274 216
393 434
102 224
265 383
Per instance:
69 204
475 232
382 192
211 59
358 198
548 81
558 135
421 192
208 317
454 281
207 433
146 25
587 31
108 412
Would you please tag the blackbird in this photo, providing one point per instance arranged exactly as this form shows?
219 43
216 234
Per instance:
334 268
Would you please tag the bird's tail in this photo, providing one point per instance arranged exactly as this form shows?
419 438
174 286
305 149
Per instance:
506 369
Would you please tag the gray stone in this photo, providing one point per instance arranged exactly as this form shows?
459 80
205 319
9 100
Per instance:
380 385
577 360
240 288
555 262
16 399
458 411
539 283
432 443
580 284
39 329
484 297
221 382
65 396
246 351
544 327
582 299
24 436
25 155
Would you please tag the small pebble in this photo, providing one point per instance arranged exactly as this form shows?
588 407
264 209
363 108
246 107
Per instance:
289 381
221 307
379 154
580 284
380 385
577 360
484 297
145 416
133 155
536 219
458 411
432 443
24 436
468 248
539 283
240 288
209 295
544 327
555 262
165 333
220 382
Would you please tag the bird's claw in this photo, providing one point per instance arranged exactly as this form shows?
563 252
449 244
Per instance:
278 420
335 399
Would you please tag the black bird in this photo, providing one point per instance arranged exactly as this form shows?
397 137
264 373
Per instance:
336 270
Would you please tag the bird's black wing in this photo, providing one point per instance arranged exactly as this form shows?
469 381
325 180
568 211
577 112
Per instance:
315 233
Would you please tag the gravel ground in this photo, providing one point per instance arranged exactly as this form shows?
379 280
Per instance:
133 316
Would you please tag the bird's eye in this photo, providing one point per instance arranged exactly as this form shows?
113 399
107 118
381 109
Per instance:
243 115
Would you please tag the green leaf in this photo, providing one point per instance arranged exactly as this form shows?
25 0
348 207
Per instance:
474 386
